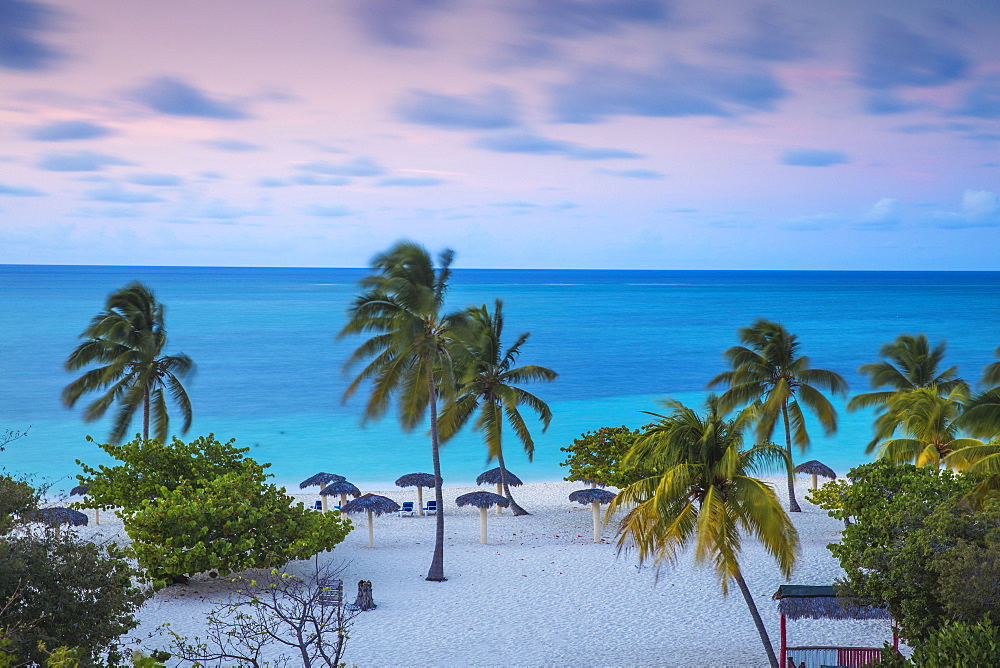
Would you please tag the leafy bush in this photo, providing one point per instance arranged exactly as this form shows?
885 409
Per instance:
597 456
203 506
60 592
958 645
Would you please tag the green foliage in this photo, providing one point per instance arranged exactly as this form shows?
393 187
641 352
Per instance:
149 465
598 456
958 645
62 592
230 523
912 534
16 497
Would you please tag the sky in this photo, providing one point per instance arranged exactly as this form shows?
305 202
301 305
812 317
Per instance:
614 134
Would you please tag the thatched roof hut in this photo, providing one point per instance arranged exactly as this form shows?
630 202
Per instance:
820 602
492 477
343 488
812 602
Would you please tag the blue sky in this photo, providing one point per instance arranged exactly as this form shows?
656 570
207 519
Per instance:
661 134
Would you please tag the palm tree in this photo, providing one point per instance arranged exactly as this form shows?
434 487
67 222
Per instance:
704 491
769 377
911 364
127 339
982 412
407 357
928 418
487 385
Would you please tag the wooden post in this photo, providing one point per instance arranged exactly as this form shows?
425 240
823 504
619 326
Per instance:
322 503
371 531
343 500
420 500
482 526
597 521
364 601
499 493
784 644
814 482
97 515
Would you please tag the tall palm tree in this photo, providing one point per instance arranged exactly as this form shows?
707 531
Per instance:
407 356
704 491
487 384
127 340
772 379
911 364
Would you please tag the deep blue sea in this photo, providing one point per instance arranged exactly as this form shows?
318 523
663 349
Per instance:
270 370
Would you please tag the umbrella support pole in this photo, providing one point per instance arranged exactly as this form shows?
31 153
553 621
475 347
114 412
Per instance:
323 503
371 531
420 500
597 522
499 493
482 525
814 481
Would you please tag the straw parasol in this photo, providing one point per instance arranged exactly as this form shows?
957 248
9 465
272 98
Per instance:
83 490
56 516
418 480
321 480
482 500
374 505
492 477
816 468
595 497
343 488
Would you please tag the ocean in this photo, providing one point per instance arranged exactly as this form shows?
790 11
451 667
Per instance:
270 368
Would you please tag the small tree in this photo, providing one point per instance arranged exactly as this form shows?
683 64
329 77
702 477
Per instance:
204 506
149 465
906 545
598 456
228 524
280 610
10 435
60 592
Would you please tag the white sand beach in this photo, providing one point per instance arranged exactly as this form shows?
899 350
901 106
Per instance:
541 593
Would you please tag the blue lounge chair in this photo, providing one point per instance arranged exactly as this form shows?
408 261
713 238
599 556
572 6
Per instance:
407 509
431 508
317 506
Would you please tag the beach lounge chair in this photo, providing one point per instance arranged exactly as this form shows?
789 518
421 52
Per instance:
406 509
317 506
431 508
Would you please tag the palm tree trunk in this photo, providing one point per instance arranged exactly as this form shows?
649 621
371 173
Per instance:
516 509
793 505
436 572
748 597
145 415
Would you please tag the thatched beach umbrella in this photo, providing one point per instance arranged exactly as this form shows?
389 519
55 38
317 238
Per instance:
482 500
321 480
343 488
55 517
374 505
816 468
492 477
595 497
418 480
83 490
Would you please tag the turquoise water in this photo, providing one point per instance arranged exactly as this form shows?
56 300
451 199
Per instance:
270 368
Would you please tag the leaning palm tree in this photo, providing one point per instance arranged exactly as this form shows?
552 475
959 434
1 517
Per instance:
487 384
704 491
910 364
771 378
928 418
127 340
407 356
